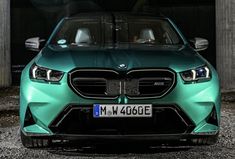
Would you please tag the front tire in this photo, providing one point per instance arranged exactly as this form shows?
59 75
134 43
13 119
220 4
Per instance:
30 142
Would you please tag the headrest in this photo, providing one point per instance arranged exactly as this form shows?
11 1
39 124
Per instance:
83 36
147 34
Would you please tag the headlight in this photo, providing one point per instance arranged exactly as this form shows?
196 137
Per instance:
41 73
194 75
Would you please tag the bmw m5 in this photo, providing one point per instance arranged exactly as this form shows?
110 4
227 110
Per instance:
118 77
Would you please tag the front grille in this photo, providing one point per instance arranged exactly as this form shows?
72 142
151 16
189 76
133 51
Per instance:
94 83
79 120
111 84
152 82
90 86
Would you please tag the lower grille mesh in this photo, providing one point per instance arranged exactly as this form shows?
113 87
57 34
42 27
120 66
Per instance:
79 120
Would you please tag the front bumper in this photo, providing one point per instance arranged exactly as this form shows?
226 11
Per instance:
46 101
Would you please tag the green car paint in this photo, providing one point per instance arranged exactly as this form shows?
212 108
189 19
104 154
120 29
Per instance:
47 99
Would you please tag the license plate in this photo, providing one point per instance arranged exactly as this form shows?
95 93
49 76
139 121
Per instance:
122 111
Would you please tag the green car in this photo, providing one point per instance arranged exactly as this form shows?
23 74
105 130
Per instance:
118 77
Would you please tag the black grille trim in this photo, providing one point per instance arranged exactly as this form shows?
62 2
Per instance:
87 74
135 84
150 77
85 84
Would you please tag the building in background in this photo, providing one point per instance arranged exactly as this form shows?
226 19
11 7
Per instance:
5 54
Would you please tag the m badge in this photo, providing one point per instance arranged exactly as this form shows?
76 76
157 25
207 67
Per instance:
159 84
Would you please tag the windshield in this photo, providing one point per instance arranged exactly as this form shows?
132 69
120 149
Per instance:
85 33
155 32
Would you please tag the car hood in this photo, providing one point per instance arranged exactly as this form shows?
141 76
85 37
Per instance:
178 58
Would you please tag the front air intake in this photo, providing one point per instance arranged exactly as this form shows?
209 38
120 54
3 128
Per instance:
78 120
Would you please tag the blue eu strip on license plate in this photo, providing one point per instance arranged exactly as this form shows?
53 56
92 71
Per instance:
96 112
122 111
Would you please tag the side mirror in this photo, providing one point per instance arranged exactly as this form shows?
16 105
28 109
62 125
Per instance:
34 44
199 44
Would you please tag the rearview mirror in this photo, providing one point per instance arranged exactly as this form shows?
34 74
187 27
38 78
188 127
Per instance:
199 44
34 44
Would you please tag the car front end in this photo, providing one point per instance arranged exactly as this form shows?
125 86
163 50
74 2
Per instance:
162 94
